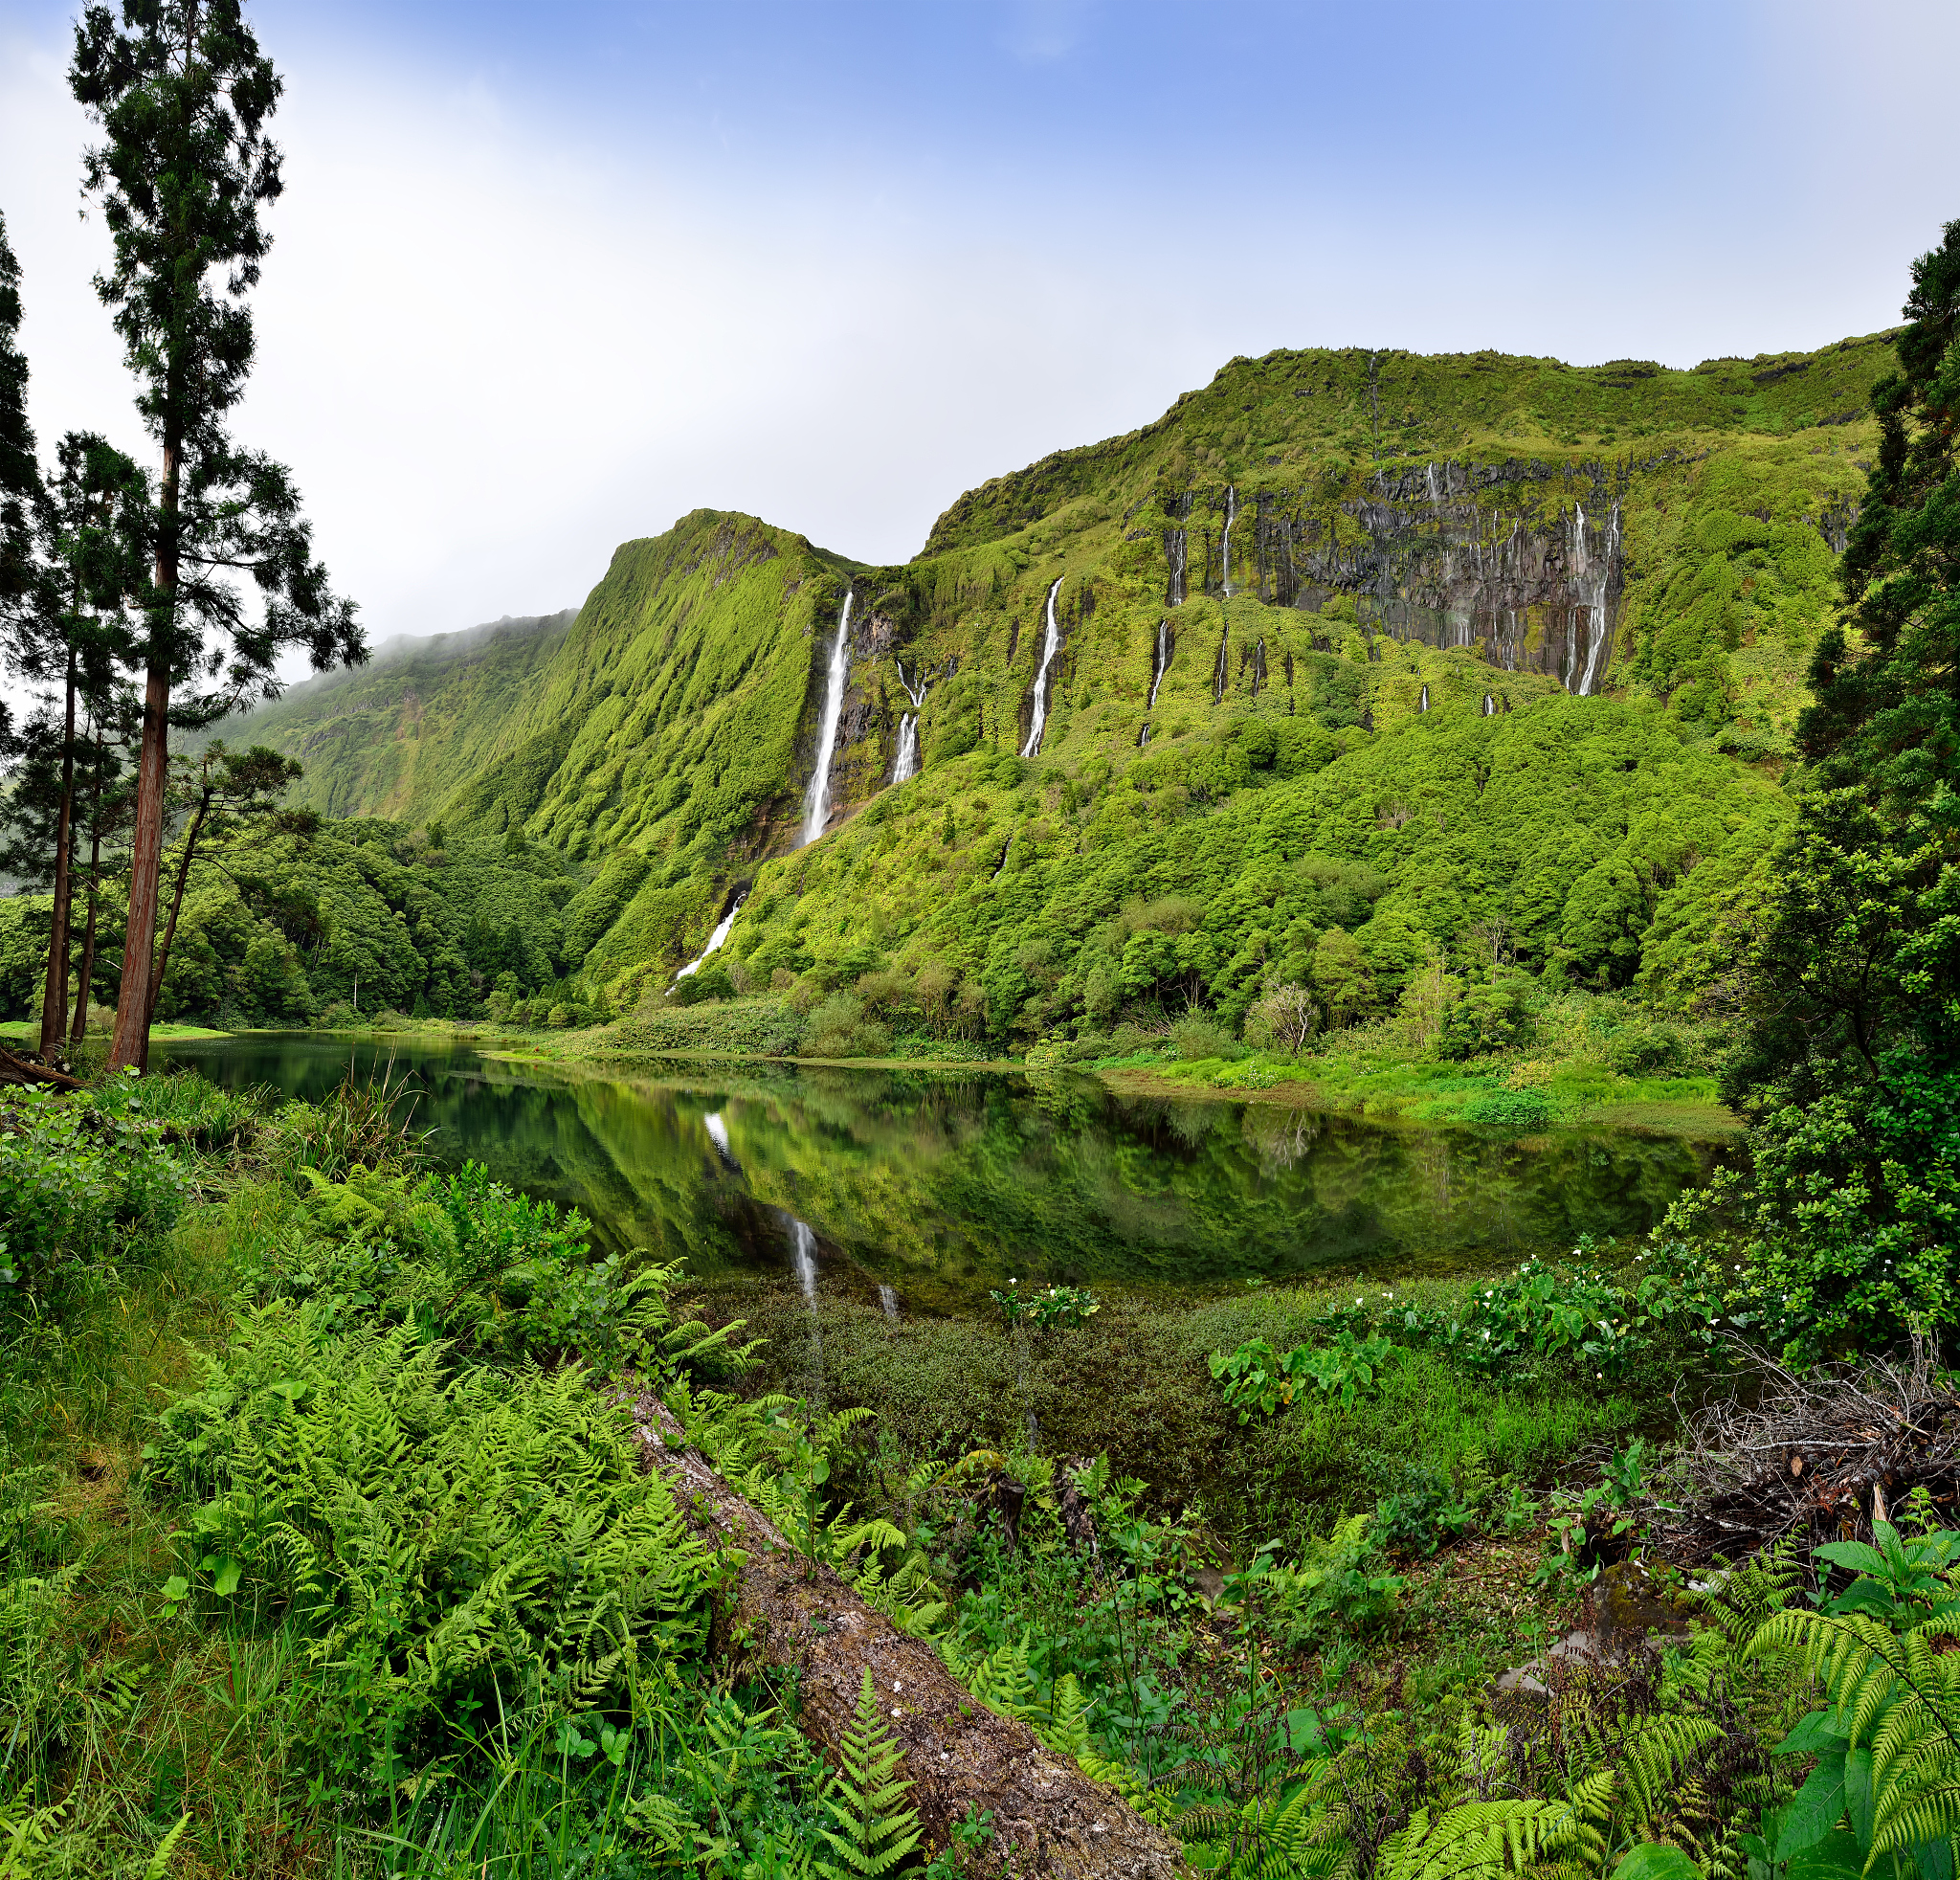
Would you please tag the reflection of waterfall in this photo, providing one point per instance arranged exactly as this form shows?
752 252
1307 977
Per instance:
1598 632
1050 643
817 800
714 940
1422 705
907 766
803 1257
1225 539
1163 661
718 1135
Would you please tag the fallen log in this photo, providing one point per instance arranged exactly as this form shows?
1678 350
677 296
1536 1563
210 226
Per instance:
16 1069
1049 1818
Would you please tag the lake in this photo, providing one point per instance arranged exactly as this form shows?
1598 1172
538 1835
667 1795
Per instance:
939 1184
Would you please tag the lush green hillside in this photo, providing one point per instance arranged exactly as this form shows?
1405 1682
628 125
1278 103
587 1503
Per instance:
1365 590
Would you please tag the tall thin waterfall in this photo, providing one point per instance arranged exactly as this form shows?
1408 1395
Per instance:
1598 632
714 940
1489 706
1051 643
1176 540
1163 661
817 800
1225 539
1423 703
907 766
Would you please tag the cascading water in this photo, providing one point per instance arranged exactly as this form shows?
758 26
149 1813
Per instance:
1163 661
907 766
714 945
1489 706
1423 703
817 800
889 1300
1598 632
1049 644
1225 540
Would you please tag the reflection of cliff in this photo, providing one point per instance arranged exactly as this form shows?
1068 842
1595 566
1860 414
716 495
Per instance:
1521 561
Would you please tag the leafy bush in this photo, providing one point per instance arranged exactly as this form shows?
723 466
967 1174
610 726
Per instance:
1646 1047
1197 1036
1422 1515
1339 1583
81 1183
711 981
1486 1019
1515 1113
1257 1377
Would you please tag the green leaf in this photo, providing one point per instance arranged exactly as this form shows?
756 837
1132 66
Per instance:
1854 1555
1836 1857
175 1588
1816 1808
224 1581
1651 1860
1816 1736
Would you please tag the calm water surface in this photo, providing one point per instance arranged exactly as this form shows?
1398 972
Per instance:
939 1184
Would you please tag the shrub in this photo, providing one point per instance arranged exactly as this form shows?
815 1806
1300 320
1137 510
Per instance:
81 1182
1645 1047
1493 1016
1515 1113
1422 1515
1198 1036
711 981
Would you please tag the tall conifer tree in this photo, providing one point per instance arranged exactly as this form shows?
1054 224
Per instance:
1850 1064
20 480
183 93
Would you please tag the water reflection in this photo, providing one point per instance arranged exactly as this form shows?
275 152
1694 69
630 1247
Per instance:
939 1185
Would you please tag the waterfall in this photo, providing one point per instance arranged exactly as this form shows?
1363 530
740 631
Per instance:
1221 669
1143 737
1175 542
1422 705
714 940
817 800
1597 630
889 1300
1225 540
1049 644
1489 706
1163 661
907 766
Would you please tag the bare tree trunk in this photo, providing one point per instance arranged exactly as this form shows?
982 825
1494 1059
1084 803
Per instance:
131 1046
55 994
190 834
1048 1817
95 880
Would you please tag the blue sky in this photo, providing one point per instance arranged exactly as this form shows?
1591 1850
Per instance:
547 278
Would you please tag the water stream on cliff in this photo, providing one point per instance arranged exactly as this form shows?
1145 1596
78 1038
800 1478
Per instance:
714 940
1163 661
817 800
907 766
1225 540
943 1184
1051 643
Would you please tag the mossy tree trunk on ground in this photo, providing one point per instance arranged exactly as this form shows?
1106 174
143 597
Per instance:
1049 1818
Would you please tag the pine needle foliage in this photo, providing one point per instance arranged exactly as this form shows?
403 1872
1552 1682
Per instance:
875 1827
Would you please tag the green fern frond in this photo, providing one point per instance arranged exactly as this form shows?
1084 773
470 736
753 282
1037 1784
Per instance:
875 1827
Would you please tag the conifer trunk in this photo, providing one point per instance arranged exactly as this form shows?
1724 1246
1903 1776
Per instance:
134 997
1048 1817
55 994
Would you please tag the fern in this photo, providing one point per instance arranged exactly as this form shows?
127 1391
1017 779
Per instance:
875 1827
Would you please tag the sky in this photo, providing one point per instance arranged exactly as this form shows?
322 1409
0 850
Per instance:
546 279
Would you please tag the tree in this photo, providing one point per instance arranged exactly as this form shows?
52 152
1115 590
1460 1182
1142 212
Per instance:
20 477
181 93
1850 1064
221 790
95 534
